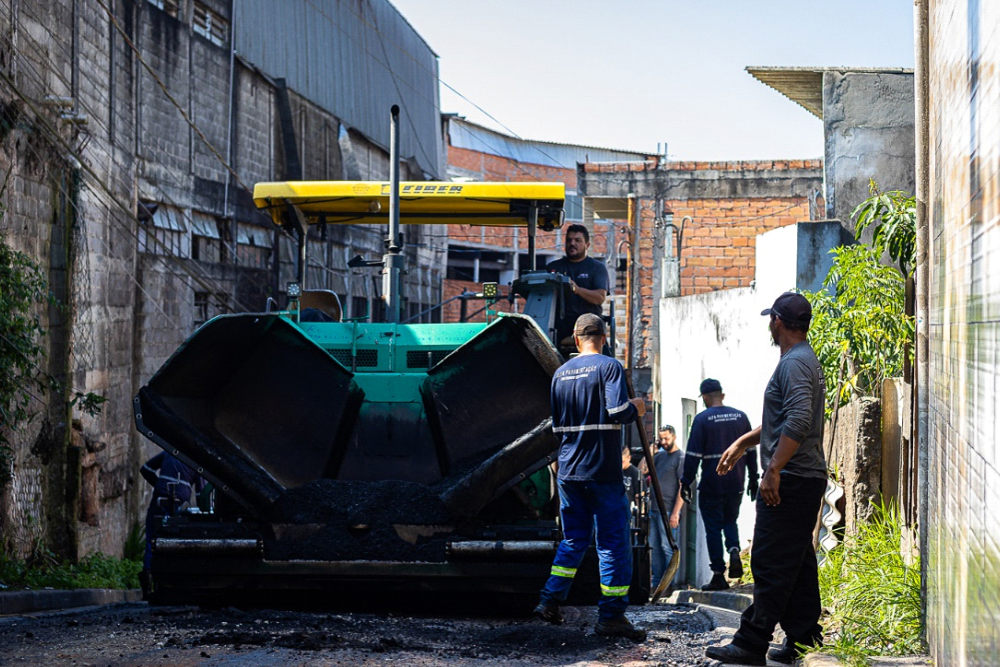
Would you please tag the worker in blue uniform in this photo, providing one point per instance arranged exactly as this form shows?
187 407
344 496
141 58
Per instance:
175 486
719 497
590 403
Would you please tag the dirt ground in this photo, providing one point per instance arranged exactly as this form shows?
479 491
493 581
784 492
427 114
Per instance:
133 635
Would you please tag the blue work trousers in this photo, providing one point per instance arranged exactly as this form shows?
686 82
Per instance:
719 512
585 506
660 547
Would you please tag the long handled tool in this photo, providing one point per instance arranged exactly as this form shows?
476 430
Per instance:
675 556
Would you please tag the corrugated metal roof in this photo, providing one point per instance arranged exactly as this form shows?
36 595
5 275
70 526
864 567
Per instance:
464 134
355 58
804 85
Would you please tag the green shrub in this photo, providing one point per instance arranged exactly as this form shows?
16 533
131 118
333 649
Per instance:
872 594
135 543
94 571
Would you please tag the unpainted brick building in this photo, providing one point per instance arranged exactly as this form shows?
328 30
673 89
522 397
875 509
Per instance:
483 254
705 215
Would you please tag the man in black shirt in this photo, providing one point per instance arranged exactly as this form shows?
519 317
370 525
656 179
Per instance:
588 281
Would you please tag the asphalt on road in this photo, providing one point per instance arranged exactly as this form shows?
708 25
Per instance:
131 635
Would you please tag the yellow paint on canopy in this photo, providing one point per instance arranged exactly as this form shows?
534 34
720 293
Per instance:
420 202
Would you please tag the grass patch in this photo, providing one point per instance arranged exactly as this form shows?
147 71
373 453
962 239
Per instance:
872 594
94 571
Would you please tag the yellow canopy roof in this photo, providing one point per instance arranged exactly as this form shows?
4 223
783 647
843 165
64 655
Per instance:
420 202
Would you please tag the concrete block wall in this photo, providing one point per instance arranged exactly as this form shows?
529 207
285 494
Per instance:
868 130
127 310
67 217
963 429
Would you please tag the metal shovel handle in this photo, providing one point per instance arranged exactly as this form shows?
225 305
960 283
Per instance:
647 453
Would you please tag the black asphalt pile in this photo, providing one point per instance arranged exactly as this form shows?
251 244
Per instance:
352 520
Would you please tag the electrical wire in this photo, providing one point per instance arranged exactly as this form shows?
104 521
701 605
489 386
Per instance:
105 190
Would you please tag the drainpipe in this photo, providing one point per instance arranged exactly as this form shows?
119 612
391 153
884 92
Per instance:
921 97
632 307
229 124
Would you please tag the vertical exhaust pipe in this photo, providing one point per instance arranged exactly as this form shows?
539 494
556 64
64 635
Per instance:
393 258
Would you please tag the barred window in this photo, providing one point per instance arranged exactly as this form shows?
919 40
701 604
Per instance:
171 7
208 305
166 232
210 25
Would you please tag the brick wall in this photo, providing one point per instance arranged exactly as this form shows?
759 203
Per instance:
719 244
963 476
730 203
451 312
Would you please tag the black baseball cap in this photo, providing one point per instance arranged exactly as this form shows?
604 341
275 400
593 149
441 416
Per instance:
792 308
708 386
589 324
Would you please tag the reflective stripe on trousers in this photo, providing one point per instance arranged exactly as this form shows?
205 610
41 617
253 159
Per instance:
584 506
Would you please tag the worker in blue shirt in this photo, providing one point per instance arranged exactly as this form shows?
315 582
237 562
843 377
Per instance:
175 486
590 403
719 498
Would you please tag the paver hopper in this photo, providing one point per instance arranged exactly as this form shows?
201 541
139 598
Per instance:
367 463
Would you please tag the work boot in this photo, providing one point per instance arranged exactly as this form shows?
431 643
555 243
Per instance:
733 654
790 650
144 583
619 626
549 612
718 583
735 564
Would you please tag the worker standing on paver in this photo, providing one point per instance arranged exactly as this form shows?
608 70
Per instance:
719 497
782 559
589 405
588 281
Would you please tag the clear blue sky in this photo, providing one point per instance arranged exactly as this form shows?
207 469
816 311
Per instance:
631 73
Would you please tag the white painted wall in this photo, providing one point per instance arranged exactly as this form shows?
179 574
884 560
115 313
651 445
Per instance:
723 336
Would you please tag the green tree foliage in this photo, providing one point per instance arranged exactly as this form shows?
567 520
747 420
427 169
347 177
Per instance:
22 289
894 215
860 330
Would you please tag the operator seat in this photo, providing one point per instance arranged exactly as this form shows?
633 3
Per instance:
323 300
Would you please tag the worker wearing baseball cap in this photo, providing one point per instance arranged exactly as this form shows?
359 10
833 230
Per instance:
719 497
783 560
590 403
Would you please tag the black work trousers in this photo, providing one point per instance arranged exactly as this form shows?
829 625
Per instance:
783 562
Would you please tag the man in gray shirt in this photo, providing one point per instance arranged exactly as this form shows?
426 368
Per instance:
783 561
669 464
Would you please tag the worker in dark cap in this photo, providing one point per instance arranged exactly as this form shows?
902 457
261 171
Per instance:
783 560
719 497
590 402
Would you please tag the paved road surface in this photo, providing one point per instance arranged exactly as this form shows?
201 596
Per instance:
131 635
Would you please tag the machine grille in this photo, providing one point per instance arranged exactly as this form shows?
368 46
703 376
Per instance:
365 358
424 358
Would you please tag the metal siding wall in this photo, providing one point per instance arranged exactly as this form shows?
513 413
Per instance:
963 497
334 52
476 138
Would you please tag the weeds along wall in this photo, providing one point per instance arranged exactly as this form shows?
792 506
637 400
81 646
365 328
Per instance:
130 167
963 494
